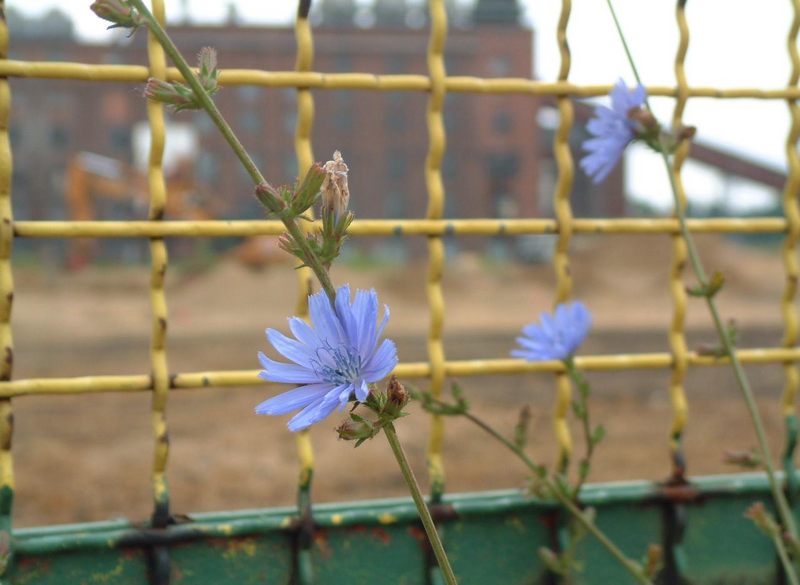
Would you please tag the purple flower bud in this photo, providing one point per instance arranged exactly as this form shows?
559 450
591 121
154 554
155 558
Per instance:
118 12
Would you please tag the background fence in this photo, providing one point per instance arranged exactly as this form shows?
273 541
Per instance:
492 536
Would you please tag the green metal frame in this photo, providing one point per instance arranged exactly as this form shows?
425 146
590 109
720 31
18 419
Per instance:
491 538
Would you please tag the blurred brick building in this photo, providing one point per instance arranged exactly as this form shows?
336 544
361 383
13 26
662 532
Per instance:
490 168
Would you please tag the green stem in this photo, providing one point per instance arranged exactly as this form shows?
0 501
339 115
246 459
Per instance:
275 205
784 556
422 508
583 393
271 198
632 566
784 510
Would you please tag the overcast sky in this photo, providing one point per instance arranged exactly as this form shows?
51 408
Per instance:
734 43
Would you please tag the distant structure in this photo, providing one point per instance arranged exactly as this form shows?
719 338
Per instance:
489 169
498 160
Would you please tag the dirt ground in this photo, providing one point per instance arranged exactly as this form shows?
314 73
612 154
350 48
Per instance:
82 458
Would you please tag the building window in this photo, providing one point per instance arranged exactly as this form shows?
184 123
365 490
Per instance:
207 168
248 93
396 64
59 137
396 120
119 137
250 122
290 122
500 66
501 122
396 166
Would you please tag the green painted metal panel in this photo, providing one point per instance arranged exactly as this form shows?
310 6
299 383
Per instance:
498 548
721 546
125 566
632 526
363 554
492 538
251 560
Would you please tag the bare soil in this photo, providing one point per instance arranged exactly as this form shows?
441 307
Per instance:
88 457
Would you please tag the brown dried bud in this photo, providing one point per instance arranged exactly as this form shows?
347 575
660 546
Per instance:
685 133
655 560
643 117
746 459
335 193
762 518
396 393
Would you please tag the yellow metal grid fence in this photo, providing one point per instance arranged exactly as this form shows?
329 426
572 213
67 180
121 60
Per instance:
436 368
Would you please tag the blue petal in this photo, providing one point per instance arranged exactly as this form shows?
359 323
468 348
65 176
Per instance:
313 413
303 332
381 363
289 348
345 313
287 373
326 323
365 310
293 399
362 391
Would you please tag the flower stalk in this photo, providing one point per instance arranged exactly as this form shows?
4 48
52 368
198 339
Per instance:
422 508
545 484
728 347
268 194
272 199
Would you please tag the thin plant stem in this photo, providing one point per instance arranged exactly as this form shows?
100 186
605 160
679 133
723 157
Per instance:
787 518
424 513
271 199
632 566
586 425
274 205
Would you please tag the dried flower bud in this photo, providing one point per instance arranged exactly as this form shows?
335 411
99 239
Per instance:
396 393
746 459
762 518
654 560
643 117
335 193
685 133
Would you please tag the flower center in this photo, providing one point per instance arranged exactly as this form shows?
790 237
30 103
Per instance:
338 365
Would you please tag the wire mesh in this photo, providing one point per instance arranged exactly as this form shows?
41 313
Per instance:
436 368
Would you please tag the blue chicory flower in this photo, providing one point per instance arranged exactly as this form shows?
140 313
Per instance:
613 130
334 360
556 336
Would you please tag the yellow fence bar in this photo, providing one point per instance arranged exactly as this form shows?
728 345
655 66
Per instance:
461 368
677 335
435 186
369 81
563 212
6 294
305 158
791 210
158 269
392 227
